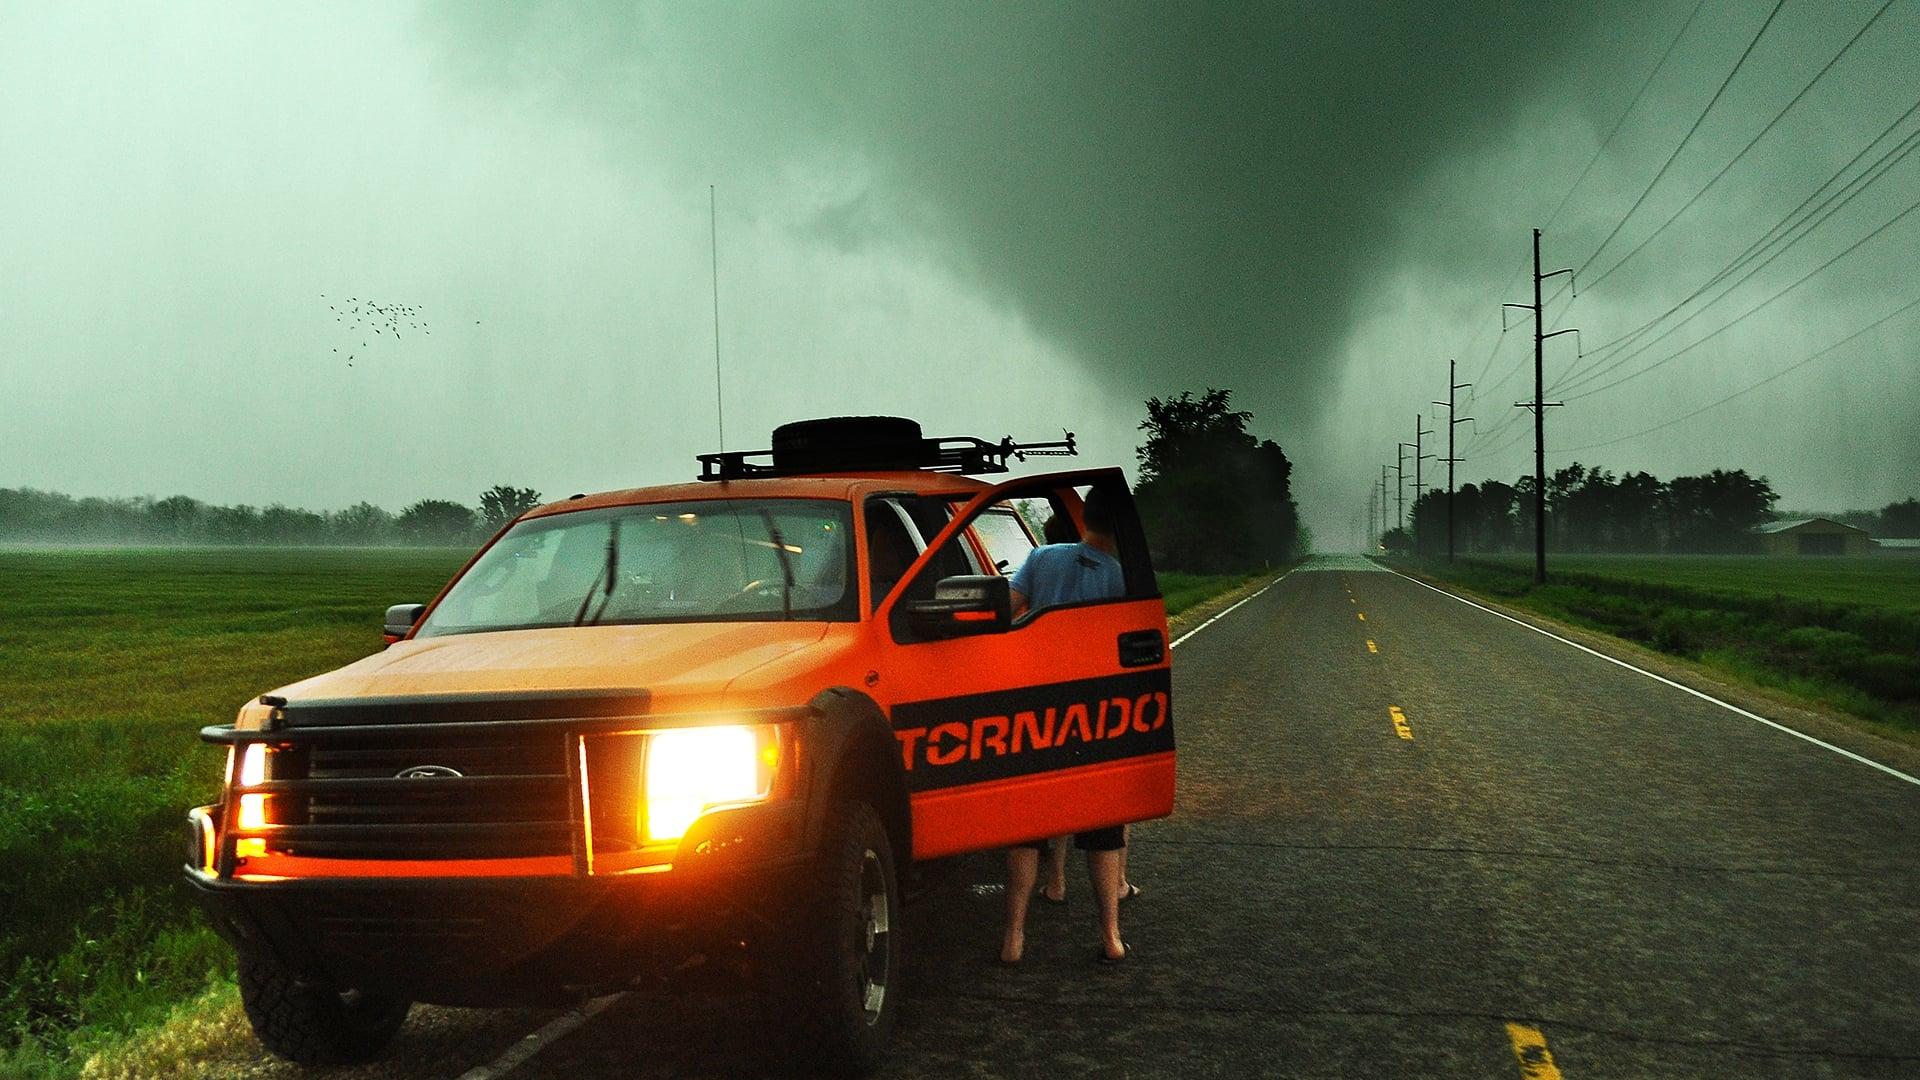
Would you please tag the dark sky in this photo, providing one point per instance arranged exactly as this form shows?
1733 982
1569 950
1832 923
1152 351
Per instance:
995 218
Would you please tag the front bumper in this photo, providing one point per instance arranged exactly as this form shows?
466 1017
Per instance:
486 941
474 939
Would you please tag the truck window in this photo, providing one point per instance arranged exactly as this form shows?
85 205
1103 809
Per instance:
890 549
702 561
1005 537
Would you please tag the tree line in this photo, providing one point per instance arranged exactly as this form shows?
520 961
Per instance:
31 516
1592 510
1213 499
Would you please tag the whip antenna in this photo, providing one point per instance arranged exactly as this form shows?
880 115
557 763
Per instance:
713 241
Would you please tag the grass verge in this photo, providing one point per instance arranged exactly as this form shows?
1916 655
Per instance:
1843 637
1184 591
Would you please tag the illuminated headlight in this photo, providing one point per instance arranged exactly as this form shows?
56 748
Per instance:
253 770
692 770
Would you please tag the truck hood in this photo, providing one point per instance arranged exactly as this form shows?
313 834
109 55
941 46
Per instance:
680 664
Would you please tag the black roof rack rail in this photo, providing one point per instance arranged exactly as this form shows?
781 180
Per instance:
962 454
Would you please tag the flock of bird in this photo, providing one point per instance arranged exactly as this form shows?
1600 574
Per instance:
385 320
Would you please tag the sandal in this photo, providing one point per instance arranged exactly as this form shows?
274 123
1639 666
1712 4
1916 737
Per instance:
1132 891
1042 893
1126 953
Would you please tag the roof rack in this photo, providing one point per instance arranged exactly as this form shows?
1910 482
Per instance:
961 454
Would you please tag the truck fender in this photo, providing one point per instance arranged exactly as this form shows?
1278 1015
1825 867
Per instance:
850 752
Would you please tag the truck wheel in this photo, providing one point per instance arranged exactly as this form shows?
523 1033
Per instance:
835 997
312 1023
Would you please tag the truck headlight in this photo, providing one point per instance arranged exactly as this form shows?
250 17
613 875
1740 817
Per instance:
253 770
691 770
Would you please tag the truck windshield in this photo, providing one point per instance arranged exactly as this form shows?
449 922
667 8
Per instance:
707 561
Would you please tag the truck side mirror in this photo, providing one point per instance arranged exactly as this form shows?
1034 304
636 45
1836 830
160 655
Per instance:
400 620
962 605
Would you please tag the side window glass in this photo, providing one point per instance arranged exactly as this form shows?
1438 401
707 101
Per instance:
1005 539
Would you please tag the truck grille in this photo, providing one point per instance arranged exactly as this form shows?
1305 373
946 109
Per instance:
478 797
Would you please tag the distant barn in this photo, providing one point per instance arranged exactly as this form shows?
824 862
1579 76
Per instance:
1898 545
1812 536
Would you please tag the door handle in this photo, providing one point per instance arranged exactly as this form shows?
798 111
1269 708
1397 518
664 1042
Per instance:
1138 648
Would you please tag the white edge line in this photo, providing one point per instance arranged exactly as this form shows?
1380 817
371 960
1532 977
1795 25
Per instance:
1777 726
1228 611
519 1053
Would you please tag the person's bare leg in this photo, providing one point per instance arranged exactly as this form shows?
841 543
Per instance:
1126 883
1105 869
1056 886
1023 868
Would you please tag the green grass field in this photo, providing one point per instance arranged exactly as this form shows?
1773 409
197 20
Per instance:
1879 582
1844 633
110 663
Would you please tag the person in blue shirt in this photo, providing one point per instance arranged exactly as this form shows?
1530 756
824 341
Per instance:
1052 576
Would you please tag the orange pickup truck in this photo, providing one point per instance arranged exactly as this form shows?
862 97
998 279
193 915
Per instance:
717 719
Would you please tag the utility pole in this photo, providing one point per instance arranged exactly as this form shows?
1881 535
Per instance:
1373 509
1539 406
1400 485
1418 457
1452 422
1383 500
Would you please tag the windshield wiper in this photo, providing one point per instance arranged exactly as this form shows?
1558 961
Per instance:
608 570
786 564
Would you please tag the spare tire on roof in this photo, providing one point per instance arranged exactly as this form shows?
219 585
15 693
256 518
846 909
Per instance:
847 442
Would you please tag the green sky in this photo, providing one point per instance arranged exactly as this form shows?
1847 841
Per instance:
996 218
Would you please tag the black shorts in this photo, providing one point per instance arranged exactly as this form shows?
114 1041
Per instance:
1111 838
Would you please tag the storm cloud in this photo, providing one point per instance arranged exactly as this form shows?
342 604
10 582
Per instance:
998 218
1196 191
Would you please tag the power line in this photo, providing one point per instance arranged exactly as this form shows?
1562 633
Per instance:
1795 366
1620 123
1786 224
1850 249
1688 137
1578 180
1602 364
1735 160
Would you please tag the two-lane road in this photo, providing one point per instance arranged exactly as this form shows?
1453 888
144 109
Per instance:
1417 839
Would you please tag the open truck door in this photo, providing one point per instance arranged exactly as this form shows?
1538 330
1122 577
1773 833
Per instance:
1059 721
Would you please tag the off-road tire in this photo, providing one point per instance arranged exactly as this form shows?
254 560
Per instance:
311 1023
847 442
834 992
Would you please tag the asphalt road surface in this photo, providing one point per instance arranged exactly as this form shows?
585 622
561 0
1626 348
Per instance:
1412 839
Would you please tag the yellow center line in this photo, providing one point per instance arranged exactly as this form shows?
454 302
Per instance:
1530 1050
1351 600
1362 614
1371 647
1400 725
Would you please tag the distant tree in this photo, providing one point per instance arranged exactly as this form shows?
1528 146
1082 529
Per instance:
362 523
291 525
1901 519
1428 520
1717 512
500 504
1212 497
436 522
232 524
1639 505
177 517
